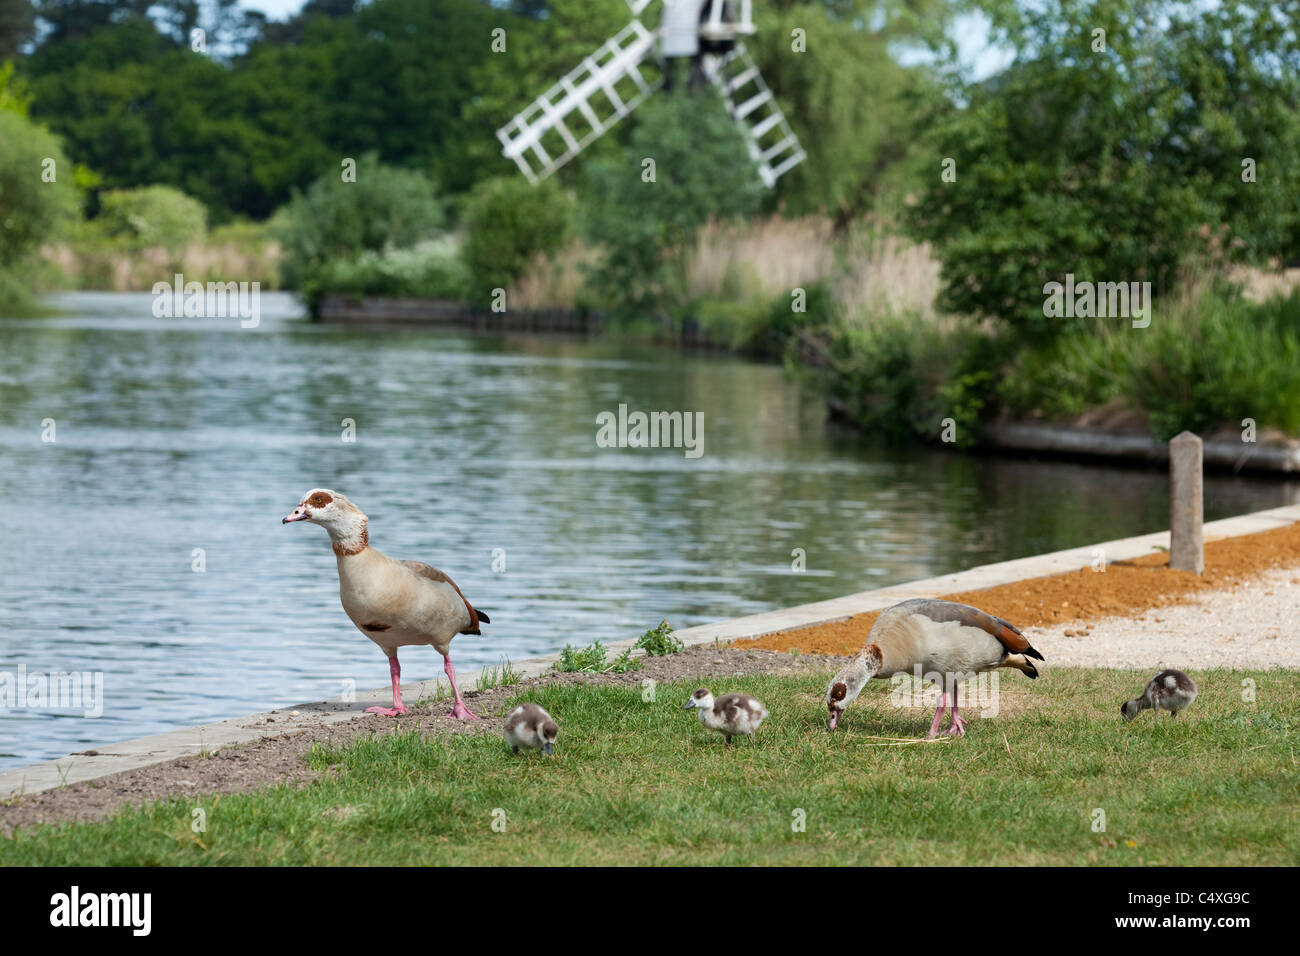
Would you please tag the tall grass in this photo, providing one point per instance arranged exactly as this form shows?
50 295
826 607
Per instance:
760 260
870 268
88 260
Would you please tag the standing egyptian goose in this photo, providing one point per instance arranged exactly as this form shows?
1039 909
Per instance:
1169 690
394 603
943 641
730 715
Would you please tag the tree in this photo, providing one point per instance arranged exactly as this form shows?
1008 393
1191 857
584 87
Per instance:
37 196
152 216
858 113
510 223
17 25
686 163
385 208
1120 164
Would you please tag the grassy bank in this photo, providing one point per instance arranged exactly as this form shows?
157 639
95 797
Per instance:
638 783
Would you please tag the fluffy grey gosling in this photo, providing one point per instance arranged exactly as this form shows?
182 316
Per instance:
730 715
532 728
1169 690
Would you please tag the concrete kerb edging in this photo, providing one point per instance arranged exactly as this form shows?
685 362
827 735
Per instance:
146 751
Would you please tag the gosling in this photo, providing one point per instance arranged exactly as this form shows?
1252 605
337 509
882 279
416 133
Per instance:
530 727
730 715
1169 690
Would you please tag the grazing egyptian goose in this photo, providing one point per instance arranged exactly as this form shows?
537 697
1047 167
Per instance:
946 642
1169 690
531 727
394 603
730 715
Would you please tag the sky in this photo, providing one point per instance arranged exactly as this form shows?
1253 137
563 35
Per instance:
971 32
275 9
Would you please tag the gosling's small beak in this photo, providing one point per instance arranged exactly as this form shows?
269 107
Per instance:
548 749
298 514
688 705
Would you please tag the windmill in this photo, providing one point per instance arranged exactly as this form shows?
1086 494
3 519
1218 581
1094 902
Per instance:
609 84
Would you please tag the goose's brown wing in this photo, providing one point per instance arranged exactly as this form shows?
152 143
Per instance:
964 614
433 574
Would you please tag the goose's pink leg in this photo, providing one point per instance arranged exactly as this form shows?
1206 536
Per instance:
958 726
395 672
938 714
459 711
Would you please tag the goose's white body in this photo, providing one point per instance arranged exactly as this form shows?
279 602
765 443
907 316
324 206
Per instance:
950 648
946 642
401 603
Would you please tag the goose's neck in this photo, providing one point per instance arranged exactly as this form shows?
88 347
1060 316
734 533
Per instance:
867 663
350 539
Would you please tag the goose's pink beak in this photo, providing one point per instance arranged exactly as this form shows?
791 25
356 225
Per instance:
298 514
834 719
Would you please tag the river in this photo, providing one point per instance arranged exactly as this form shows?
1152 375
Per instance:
144 541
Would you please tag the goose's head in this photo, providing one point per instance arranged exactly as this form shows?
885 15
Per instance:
344 521
702 698
845 686
546 735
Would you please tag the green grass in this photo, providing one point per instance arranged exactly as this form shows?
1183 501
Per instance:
637 783
504 675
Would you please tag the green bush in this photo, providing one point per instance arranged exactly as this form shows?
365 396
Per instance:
659 641
886 373
385 208
152 216
509 223
430 269
590 659
1214 361
1064 379
32 211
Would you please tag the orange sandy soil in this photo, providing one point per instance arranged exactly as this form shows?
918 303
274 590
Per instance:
1125 588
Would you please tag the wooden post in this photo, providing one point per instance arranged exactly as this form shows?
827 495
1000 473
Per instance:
1186 511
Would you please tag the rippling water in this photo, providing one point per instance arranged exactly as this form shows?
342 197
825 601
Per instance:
176 435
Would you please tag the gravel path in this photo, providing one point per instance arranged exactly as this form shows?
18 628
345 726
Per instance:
1251 625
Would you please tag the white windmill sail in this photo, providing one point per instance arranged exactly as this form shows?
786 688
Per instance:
609 84
772 143
601 91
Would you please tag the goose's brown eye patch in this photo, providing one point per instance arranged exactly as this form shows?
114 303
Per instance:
838 691
319 500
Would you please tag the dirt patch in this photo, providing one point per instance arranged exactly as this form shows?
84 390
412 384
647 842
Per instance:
1125 588
281 759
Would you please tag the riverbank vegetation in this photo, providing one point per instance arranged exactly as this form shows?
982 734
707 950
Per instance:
903 269
635 780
